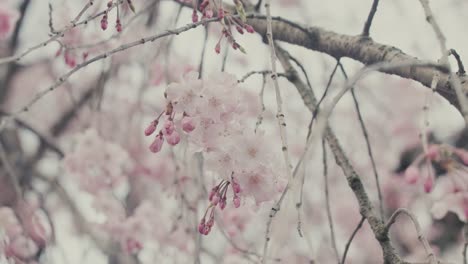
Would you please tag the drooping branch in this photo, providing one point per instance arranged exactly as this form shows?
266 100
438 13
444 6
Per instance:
365 207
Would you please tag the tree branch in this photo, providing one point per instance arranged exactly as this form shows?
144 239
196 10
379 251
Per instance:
367 25
365 51
354 181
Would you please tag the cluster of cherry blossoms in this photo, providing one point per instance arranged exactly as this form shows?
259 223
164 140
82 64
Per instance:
451 191
24 232
96 164
212 116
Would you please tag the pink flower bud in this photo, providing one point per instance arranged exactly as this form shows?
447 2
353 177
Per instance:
201 226
236 187
194 16
109 4
104 24
432 152
215 199
204 4
249 28
151 128
218 48
208 13
213 192
239 29
69 59
207 230
220 13
428 184
168 127
187 124
173 139
118 26
59 51
222 204
210 222
236 201
157 144
412 175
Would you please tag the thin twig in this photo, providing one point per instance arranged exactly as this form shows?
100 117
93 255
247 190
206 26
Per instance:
51 22
123 47
330 79
367 25
116 35
258 5
465 245
454 80
461 68
353 179
282 125
368 145
202 58
262 103
327 201
225 56
422 239
14 179
264 73
55 37
350 240
299 64
83 10
48 143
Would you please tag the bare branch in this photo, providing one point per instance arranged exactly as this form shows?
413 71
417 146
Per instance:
465 245
202 58
350 240
368 145
281 123
58 35
367 52
367 25
354 181
454 81
14 179
102 56
327 202
421 237
461 68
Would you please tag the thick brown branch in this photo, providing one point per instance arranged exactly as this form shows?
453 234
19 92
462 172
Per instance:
358 48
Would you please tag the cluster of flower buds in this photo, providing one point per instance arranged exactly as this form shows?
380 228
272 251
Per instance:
168 132
118 23
69 56
218 197
231 21
449 158
205 9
